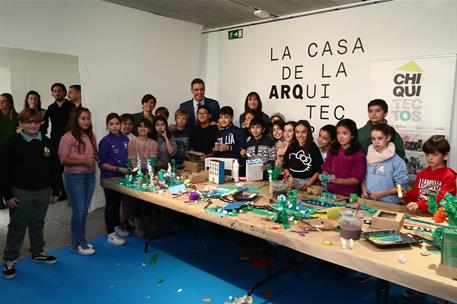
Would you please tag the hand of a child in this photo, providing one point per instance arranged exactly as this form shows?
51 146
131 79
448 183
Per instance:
243 152
224 147
375 195
124 171
54 199
12 202
90 161
365 194
413 207
290 182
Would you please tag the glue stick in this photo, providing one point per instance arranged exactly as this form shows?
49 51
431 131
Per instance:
399 191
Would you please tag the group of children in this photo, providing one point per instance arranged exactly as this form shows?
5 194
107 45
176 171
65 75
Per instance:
368 161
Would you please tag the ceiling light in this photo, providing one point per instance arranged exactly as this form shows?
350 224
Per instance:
261 13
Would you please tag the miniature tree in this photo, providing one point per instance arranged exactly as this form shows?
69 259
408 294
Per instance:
281 216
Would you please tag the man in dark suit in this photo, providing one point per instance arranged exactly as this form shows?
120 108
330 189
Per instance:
198 90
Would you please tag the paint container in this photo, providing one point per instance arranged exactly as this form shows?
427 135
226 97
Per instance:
278 187
351 224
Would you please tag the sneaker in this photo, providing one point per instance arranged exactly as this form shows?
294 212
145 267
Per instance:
89 245
44 257
121 231
9 269
84 250
115 239
412 294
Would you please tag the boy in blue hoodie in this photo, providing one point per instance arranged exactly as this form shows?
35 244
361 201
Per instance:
230 140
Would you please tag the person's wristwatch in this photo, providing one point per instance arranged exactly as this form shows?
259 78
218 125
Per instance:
117 169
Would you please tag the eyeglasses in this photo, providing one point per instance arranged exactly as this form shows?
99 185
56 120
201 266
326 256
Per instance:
202 114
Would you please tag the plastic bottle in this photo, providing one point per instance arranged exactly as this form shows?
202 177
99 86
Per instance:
236 171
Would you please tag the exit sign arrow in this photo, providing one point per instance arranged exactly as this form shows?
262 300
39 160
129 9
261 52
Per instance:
235 34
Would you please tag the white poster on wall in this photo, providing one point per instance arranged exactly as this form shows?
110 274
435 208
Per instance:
419 93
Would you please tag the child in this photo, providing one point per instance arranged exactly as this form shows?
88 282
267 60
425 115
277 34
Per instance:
165 141
302 161
327 136
248 116
162 111
113 153
437 178
385 169
181 135
377 112
278 132
127 125
260 146
230 139
203 137
78 154
29 169
253 102
277 117
345 164
281 148
143 147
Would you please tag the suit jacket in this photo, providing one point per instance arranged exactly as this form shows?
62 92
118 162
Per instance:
212 104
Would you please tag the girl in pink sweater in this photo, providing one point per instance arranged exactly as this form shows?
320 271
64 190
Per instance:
78 153
345 163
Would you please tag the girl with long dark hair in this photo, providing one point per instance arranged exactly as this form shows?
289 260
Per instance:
78 154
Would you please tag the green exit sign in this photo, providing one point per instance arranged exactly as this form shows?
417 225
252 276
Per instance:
235 34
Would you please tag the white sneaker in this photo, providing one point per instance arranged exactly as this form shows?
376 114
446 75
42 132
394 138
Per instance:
121 232
84 251
115 239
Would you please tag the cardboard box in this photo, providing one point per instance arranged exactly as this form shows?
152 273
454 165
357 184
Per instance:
387 220
381 205
194 166
198 177
448 266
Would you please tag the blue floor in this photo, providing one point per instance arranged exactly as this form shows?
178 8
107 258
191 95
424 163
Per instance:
189 269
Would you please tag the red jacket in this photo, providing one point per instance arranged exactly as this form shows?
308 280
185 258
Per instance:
428 181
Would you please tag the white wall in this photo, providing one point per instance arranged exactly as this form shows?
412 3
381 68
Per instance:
123 53
26 70
392 30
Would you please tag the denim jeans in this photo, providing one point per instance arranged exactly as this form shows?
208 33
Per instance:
80 188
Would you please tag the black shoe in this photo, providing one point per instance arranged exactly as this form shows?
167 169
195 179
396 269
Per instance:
44 258
9 269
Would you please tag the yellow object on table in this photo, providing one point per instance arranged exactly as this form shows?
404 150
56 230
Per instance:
331 213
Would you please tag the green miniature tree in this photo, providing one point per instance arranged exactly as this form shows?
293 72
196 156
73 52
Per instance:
281 216
432 205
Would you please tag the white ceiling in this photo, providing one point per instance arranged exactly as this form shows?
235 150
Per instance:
221 13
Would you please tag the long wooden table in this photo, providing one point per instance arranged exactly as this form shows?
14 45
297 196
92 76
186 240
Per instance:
419 272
